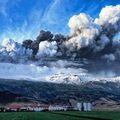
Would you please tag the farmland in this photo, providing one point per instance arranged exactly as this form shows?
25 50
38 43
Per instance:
71 115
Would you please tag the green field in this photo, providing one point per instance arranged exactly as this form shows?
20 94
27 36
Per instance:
60 116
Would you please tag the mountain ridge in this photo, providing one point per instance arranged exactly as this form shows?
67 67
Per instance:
52 93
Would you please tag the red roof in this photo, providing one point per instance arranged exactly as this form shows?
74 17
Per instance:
14 106
18 106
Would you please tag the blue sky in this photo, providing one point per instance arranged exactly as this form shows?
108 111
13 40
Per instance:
23 19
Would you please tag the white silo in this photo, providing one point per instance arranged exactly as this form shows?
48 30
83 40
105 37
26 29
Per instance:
79 106
87 106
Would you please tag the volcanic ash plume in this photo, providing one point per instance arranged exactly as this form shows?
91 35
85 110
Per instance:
47 49
89 38
90 44
109 18
83 31
82 22
95 37
11 51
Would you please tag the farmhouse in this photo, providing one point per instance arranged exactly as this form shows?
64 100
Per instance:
57 108
37 107
13 107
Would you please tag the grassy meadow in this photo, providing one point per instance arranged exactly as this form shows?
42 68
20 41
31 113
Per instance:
71 115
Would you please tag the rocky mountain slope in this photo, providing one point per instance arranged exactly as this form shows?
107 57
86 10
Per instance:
44 92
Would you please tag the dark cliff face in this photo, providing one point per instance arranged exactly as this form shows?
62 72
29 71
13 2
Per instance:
24 91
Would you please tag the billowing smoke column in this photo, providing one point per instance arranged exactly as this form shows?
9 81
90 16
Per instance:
11 51
84 32
98 38
47 49
89 38
109 20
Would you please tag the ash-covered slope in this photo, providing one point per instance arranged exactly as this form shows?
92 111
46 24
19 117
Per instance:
59 93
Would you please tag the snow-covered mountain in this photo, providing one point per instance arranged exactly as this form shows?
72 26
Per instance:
40 73
60 74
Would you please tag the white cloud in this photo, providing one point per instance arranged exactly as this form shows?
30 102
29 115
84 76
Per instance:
47 49
34 72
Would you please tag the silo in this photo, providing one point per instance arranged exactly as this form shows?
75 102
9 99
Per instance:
79 106
87 106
